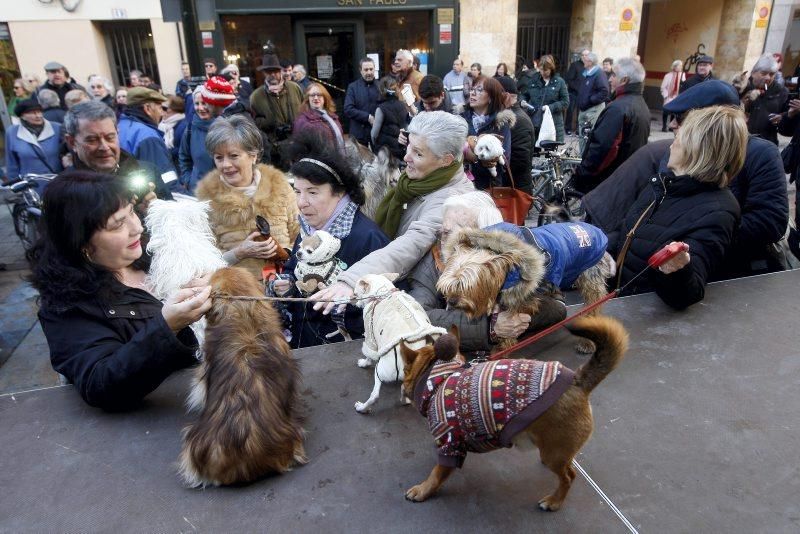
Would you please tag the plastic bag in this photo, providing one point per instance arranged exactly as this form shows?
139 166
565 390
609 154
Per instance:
548 130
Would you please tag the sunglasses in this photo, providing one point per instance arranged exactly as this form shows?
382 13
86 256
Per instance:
209 65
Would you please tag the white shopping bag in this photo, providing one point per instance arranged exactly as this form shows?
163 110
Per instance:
548 130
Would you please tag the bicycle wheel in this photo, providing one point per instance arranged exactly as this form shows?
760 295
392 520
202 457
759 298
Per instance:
27 227
563 207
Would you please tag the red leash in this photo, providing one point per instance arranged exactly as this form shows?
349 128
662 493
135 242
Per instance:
655 261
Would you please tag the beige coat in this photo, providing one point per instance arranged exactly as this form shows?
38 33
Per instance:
233 214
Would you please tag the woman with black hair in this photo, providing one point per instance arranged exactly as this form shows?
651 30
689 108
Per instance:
328 196
390 117
107 334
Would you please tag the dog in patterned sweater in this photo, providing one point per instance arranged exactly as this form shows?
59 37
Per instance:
482 407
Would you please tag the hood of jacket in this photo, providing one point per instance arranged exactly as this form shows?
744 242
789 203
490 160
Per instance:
529 261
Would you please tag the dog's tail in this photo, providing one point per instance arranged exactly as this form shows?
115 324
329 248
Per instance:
611 340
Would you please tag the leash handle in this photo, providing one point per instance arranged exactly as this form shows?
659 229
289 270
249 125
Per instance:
665 254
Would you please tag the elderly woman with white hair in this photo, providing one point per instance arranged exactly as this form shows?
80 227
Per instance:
102 89
475 209
764 100
411 213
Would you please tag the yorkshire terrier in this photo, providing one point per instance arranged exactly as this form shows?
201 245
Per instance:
246 390
482 407
494 266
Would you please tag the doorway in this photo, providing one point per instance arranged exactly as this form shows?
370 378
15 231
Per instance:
331 51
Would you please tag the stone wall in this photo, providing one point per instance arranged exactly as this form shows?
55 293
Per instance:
488 33
582 25
596 25
740 42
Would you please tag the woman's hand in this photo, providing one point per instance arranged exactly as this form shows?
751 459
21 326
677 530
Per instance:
677 263
249 248
281 287
338 291
186 306
469 149
511 325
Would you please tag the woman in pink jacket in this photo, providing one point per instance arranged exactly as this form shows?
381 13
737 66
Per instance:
670 87
318 112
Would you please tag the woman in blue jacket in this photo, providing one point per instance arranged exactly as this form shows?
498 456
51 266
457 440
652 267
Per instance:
32 145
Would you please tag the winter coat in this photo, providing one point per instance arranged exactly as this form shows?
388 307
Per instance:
233 214
116 351
28 154
244 91
668 83
418 229
699 214
499 124
142 138
522 139
309 327
394 117
314 120
791 126
694 79
272 111
759 188
194 161
593 89
61 91
554 95
574 76
773 100
55 115
621 129
361 101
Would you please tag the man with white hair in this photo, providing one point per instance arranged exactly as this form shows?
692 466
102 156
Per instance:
474 209
300 77
764 100
404 71
593 91
621 129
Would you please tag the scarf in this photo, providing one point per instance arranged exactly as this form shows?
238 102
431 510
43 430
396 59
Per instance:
589 72
249 190
35 130
337 133
391 208
167 126
340 222
139 113
478 120
676 84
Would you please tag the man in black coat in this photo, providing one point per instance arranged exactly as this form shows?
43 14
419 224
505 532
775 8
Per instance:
764 98
621 129
520 160
361 101
705 64
759 188
573 77
58 80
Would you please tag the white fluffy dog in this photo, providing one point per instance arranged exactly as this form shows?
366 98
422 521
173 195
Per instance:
317 262
490 148
183 248
391 317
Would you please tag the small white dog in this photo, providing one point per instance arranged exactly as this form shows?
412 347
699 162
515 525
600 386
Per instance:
490 148
391 317
317 262
183 248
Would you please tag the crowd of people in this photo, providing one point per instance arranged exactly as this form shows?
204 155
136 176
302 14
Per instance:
279 151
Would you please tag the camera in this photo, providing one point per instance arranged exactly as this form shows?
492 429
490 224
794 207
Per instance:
138 184
791 85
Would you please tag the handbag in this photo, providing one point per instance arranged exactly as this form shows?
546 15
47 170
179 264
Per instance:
513 203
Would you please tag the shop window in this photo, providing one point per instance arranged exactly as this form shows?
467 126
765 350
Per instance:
245 36
385 33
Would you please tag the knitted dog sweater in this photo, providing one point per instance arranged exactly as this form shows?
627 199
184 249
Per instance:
480 408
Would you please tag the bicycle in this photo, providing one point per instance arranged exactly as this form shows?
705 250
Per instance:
25 205
553 197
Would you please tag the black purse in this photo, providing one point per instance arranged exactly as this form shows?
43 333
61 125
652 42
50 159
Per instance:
791 157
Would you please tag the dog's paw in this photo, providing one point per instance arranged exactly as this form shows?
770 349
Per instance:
585 346
361 407
364 362
418 493
549 504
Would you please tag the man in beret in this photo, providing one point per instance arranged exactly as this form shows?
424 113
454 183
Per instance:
58 80
139 133
760 187
705 64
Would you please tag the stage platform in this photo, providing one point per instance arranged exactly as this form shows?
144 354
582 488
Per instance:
696 431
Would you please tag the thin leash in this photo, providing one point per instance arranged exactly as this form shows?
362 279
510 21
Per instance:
351 300
656 260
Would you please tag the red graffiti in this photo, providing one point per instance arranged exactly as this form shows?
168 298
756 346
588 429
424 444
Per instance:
674 31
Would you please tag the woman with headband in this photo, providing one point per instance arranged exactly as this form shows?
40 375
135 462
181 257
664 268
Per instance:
239 189
329 195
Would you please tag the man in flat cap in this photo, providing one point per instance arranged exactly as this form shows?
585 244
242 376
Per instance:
705 64
58 80
139 133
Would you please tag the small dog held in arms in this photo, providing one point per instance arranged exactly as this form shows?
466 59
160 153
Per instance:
483 407
489 149
391 317
505 265
182 246
317 262
246 391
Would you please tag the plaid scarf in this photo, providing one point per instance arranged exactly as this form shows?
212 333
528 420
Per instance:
339 226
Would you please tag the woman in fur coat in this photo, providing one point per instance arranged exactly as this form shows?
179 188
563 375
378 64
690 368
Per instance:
239 189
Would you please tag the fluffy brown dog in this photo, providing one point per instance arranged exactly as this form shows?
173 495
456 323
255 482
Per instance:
544 400
246 390
478 262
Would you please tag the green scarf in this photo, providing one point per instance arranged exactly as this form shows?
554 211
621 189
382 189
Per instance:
393 204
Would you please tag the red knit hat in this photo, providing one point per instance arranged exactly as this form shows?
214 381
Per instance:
217 91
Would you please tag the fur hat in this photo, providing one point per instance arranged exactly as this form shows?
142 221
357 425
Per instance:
217 91
24 106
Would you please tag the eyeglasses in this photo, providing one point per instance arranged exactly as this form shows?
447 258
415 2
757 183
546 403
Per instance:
315 95
476 90
165 108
